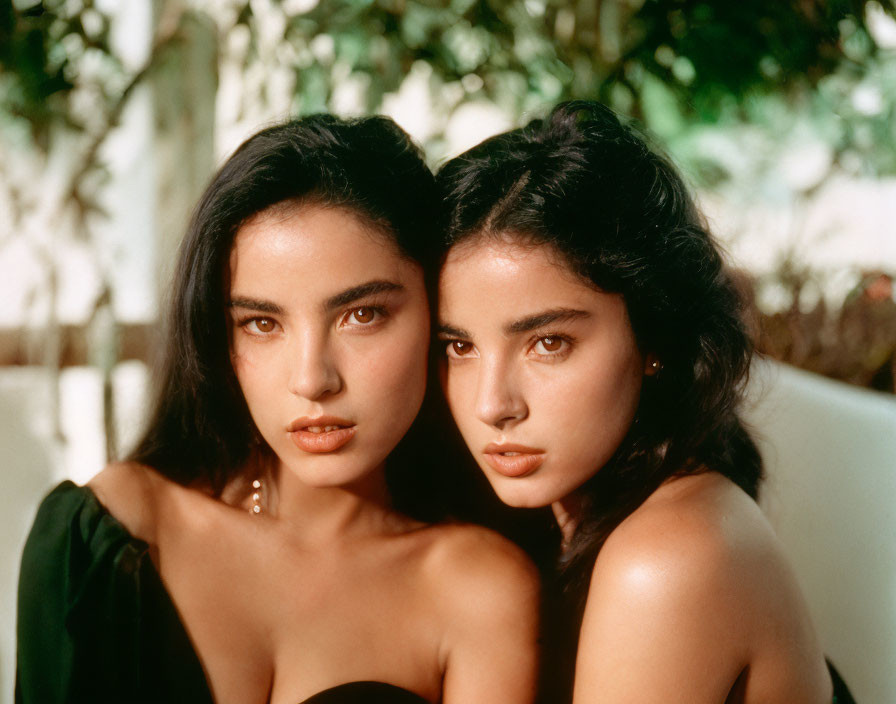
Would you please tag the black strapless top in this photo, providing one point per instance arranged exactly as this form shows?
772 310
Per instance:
365 693
95 623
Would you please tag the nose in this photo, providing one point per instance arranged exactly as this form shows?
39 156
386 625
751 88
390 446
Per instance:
314 373
500 401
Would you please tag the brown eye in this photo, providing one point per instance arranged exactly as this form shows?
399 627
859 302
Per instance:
550 345
264 324
363 315
461 348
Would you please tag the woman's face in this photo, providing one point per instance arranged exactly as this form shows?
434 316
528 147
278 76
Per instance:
328 339
542 370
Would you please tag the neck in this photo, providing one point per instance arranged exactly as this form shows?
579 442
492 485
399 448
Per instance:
567 512
330 513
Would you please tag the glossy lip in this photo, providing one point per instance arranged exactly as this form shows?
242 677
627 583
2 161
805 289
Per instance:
523 462
320 442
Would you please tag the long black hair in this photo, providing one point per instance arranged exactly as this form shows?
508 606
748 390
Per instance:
200 431
593 188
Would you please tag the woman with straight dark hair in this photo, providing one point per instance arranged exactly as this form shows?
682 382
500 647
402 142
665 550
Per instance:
594 356
266 541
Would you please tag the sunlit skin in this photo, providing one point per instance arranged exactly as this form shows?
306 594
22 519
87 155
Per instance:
691 599
329 325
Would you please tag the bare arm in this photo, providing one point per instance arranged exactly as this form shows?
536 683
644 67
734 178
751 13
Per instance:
490 647
659 627
692 600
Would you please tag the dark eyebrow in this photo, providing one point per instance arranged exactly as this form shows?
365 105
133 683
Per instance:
337 301
452 331
533 322
355 292
526 324
254 304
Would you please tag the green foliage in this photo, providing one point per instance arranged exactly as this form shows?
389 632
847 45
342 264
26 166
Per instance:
668 62
31 81
671 63
41 47
708 55
708 51
855 109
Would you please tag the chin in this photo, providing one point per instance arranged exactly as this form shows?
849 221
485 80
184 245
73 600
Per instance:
519 495
327 480
328 470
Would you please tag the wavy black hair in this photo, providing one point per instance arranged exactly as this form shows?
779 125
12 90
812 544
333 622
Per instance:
595 190
200 431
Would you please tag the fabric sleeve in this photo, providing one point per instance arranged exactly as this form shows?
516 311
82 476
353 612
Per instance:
95 623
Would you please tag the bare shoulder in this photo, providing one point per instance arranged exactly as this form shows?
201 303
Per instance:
690 590
700 532
687 565
480 580
131 493
486 593
468 559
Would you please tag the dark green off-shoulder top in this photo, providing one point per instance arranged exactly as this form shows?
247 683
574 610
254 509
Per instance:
95 623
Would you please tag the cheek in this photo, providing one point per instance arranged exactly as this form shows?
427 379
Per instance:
244 369
608 400
598 414
255 373
396 365
459 386
246 358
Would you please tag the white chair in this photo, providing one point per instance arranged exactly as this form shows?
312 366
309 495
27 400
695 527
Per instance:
830 457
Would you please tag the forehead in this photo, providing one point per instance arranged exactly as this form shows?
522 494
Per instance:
518 274
310 234
294 224
312 251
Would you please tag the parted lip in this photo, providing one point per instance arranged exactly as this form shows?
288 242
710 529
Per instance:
305 422
495 448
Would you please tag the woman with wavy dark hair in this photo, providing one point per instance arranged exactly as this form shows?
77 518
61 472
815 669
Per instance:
594 355
267 539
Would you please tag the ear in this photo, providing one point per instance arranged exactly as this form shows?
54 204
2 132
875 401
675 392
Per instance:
652 365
